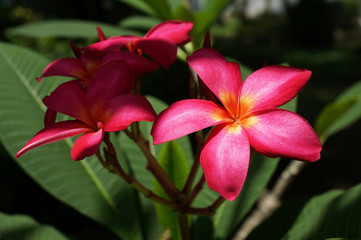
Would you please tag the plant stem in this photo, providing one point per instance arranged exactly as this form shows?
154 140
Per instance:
195 191
184 225
208 211
269 200
158 172
112 164
196 163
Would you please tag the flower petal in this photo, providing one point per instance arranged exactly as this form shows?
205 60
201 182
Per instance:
125 109
225 158
55 132
185 117
222 77
69 67
49 117
87 144
69 98
162 51
281 133
137 64
111 43
111 80
173 30
273 86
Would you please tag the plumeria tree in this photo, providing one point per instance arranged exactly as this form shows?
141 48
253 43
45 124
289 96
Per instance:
146 170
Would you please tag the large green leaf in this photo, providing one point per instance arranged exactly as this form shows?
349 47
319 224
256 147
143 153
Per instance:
24 227
174 162
334 214
69 28
340 114
85 185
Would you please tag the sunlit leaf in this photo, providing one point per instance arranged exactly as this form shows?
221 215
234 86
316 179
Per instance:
85 185
24 227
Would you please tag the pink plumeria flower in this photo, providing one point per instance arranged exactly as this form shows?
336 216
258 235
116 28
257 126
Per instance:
104 106
89 60
160 43
248 117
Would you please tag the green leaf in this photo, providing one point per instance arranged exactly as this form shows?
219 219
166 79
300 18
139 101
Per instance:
69 28
175 3
204 19
139 22
140 5
174 162
161 7
85 185
340 114
215 5
24 227
334 214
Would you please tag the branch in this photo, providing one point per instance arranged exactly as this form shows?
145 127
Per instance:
269 200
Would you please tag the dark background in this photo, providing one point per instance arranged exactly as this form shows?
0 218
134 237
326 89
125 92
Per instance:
322 36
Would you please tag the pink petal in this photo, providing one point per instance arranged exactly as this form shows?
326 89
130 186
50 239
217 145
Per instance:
281 133
185 117
111 80
273 86
137 64
225 158
162 51
112 43
87 144
101 34
125 109
91 60
55 132
69 98
49 117
223 78
174 31
69 67
76 50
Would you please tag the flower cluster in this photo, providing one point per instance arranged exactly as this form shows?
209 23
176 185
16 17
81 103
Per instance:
100 99
245 114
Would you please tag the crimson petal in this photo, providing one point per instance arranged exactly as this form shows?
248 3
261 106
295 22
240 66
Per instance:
173 30
55 132
87 144
69 67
